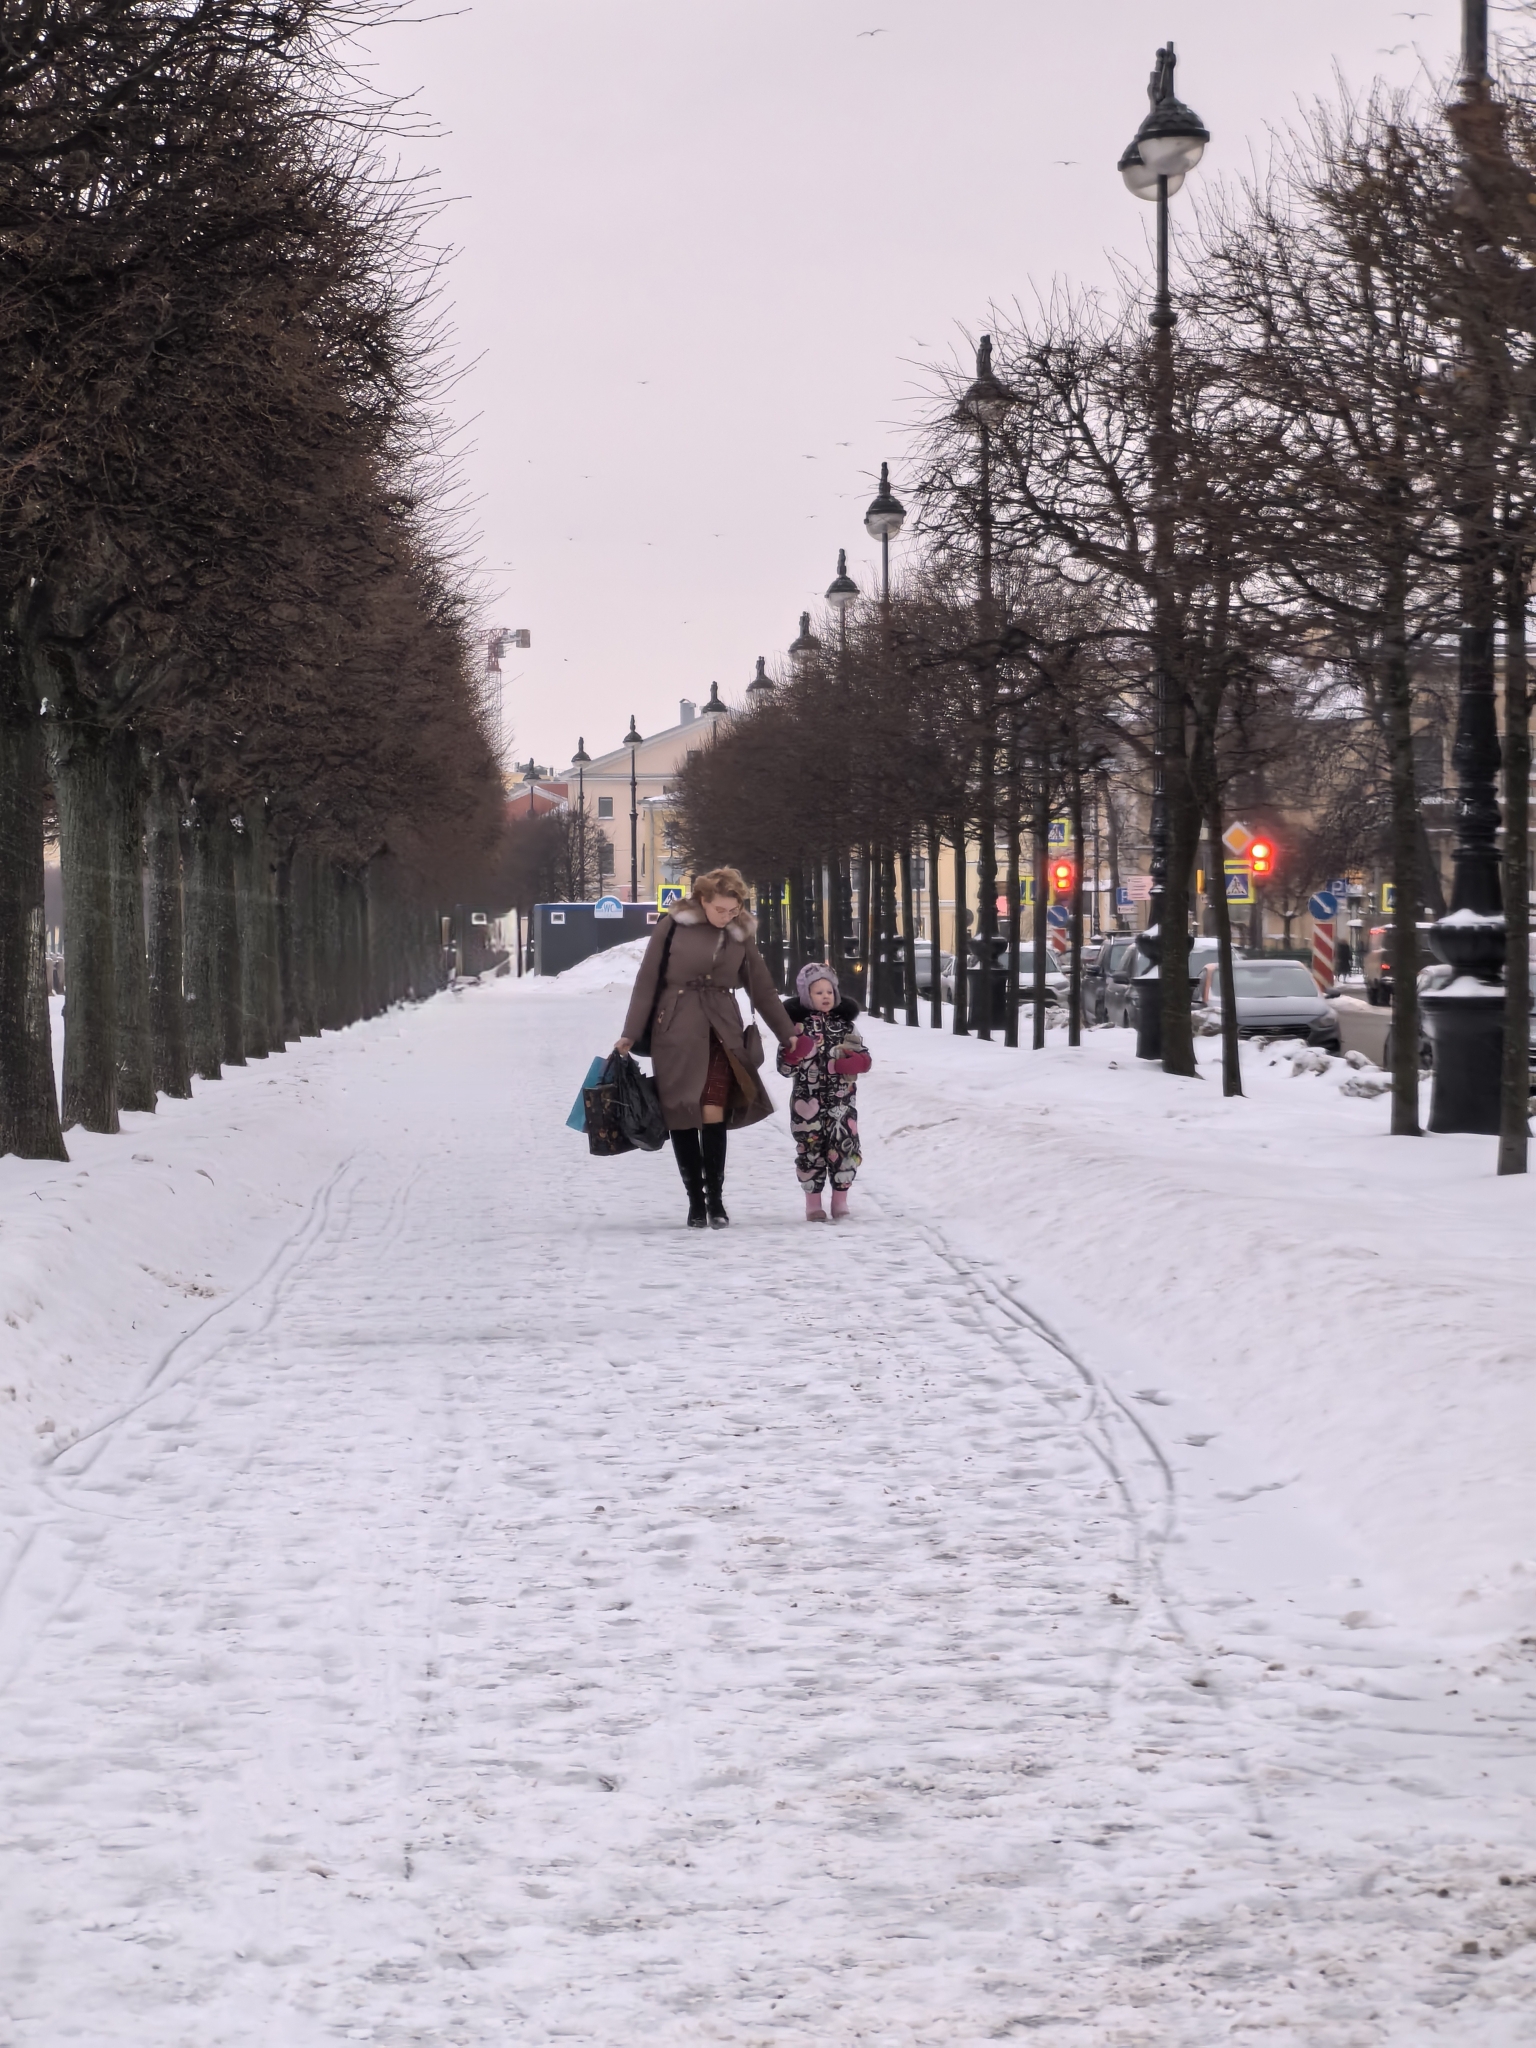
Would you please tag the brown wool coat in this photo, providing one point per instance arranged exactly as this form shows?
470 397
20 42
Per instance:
703 967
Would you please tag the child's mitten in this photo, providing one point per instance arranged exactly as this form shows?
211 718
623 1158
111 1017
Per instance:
798 1050
851 1063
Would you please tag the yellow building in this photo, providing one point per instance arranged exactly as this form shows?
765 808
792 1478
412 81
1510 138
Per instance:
605 781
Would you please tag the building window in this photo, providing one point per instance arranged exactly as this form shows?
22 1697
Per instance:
605 807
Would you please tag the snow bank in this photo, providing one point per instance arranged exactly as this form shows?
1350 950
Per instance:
1350 1310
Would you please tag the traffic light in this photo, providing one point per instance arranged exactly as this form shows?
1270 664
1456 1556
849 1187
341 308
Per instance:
1261 858
1063 875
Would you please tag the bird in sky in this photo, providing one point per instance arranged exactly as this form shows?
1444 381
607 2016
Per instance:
863 32
807 458
1066 161
1404 15
1383 52
845 444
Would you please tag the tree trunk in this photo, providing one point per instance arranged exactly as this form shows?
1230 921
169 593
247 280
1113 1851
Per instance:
250 874
1515 1079
908 934
1112 829
226 914
962 964
1075 979
1011 1010
201 973
130 947
82 784
936 992
29 1103
887 874
1397 705
1040 929
869 973
170 1059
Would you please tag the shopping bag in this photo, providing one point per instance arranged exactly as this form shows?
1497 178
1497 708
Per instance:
577 1120
639 1106
605 1131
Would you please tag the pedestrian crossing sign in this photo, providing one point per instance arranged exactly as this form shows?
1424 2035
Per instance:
1239 882
1060 832
667 894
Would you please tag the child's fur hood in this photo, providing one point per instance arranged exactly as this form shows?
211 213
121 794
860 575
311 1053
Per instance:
797 1013
743 924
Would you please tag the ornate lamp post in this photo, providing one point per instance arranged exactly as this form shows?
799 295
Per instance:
805 642
581 761
633 741
760 689
882 522
984 409
1167 145
1466 1021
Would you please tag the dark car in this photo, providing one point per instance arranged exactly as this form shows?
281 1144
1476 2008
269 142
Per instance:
1120 998
1099 963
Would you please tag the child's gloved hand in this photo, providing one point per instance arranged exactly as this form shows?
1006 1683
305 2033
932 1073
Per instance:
798 1049
851 1063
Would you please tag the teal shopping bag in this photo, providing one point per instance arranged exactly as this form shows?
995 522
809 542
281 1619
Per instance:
577 1120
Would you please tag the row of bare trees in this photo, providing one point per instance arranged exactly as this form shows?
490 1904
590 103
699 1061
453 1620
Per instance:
1354 374
236 656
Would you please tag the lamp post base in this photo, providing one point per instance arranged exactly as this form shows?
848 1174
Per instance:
1467 1033
1149 1016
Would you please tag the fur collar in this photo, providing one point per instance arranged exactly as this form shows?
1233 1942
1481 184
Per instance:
797 1013
743 925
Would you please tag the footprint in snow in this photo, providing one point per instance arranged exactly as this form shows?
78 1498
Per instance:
1155 1396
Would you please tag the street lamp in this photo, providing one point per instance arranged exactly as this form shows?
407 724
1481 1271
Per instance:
1167 145
842 591
805 642
760 689
632 740
984 408
714 708
882 522
581 761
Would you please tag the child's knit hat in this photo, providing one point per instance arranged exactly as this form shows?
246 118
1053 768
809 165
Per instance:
809 975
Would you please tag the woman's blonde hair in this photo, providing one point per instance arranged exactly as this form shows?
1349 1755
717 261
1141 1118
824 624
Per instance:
720 882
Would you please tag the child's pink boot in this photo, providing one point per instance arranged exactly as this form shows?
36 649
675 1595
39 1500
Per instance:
814 1212
839 1203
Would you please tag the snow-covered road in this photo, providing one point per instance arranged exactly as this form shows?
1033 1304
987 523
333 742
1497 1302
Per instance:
508 1618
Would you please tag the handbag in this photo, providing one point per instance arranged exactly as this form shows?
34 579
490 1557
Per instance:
752 1043
642 1044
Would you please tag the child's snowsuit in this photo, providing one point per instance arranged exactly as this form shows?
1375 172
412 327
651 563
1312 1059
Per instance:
823 1107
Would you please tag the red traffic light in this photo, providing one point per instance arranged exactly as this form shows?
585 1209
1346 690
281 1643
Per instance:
1261 857
1063 875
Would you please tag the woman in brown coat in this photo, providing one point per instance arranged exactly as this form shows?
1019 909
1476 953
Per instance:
699 954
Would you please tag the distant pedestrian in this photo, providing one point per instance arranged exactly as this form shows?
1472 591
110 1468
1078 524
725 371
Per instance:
823 1065
701 952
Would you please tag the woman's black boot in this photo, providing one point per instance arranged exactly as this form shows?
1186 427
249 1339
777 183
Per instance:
714 1175
690 1164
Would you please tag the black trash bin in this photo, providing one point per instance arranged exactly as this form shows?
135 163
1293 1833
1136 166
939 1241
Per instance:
975 982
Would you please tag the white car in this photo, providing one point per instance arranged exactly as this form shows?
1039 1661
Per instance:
1275 998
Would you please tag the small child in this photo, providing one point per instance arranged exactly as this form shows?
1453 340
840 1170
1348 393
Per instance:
823 1062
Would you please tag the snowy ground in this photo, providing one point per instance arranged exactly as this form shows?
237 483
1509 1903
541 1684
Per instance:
446 1602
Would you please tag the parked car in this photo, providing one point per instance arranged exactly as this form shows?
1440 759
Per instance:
924 952
1120 997
1275 998
1099 963
1377 964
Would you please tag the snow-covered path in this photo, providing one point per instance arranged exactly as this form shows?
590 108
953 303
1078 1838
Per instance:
513 1619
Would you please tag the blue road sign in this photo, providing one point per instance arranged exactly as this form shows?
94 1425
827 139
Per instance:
1323 906
1058 915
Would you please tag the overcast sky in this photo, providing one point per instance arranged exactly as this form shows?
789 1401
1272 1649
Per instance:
706 247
